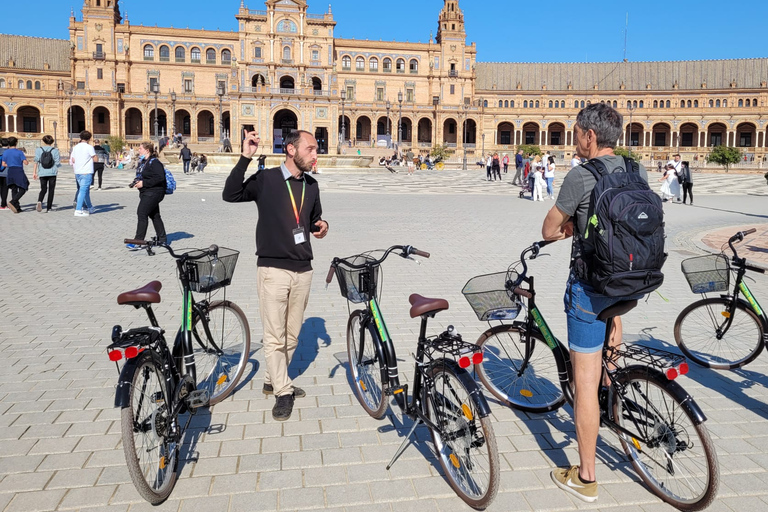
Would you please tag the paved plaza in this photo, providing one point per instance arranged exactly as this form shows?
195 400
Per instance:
60 443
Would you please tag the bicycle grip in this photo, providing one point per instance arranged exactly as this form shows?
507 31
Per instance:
417 252
329 278
753 268
749 231
134 242
524 293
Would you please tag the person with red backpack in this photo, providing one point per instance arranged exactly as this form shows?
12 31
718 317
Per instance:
617 224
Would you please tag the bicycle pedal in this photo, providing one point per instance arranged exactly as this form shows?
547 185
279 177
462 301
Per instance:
398 390
198 398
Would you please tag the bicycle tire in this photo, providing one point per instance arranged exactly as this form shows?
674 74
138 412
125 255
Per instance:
465 445
740 345
144 428
439 166
537 388
219 374
367 375
680 465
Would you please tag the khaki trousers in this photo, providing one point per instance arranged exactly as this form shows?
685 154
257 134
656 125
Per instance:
283 297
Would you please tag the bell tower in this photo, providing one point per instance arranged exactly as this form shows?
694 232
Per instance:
450 24
102 9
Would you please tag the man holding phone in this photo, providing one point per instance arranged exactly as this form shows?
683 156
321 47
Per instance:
289 207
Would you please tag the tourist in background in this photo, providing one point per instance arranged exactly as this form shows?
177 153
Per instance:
46 174
202 163
82 158
3 176
98 165
505 163
538 180
669 185
151 184
488 167
496 167
549 176
14 162
519 168
686 181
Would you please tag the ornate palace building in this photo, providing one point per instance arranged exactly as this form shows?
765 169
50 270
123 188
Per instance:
284 69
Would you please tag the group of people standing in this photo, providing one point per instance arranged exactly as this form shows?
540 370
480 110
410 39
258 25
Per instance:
677 181
192 160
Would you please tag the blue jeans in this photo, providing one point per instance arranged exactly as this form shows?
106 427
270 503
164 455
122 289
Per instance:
586 334
550 186
84 191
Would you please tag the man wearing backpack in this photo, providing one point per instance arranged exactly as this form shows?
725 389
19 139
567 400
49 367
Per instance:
186 158
98 166
3 176
47 163
579 213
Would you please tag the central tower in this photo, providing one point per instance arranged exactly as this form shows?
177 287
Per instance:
450 24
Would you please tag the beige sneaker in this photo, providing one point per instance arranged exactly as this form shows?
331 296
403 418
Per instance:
569 481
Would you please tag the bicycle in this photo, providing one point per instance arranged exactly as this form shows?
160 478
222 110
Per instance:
444 396
157 383
659 425
709 331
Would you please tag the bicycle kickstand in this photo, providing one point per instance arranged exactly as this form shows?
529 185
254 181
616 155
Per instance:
404 444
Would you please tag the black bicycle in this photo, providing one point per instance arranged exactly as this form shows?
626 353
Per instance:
659 425
159 384
444 396
722 332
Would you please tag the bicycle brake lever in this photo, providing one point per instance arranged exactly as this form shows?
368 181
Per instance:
413 259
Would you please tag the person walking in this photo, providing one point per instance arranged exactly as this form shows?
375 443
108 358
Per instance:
3 176
669 186
202 162
538 182
687 183
489 167
151 184
14 161
47 163
186 157
98 165
288 201
505 162
519 168
82 158
107 151
409 161
597 129
549 177
496 167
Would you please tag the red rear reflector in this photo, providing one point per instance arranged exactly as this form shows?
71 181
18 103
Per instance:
131 352
683 368
115 355
671 374
477 358
464 362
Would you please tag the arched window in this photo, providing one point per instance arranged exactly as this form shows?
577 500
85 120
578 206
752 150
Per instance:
400 65
689 103
668 104
557 103
165 54
21 84
387 65
149 52
582 103
506 103
180 54
194 54
525 104
748 104
576 104
642 105
2 83
655 104
629 104
360 64
286 53
210 56
287 26
501 103
711 103
717 103
551 104
741 103
413 66
537 103
346 62
615 104
226 56
754 102
589 103
37 85
695 103
29 84
373 64
725 103
682 103
512 103
634 104
485 103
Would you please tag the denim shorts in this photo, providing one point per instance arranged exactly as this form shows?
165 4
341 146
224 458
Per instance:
586 334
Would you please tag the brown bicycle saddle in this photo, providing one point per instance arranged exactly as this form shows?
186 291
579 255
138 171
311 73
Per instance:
423 306
147 294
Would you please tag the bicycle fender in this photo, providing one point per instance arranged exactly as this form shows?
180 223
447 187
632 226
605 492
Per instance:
124 382
686 400
475 393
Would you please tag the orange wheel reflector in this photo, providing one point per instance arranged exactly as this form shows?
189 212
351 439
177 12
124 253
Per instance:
454 461
397 391
162 462
637 444
467 412
222 379
726 314
526 393
362 385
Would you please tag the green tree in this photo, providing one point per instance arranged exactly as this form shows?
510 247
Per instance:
619 151
116 143
441 152
725 156
530 149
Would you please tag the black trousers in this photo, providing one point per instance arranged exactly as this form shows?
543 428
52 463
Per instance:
16 193
687 190
98 170
497 171
47 185
186 165
149 208
488 172
3 192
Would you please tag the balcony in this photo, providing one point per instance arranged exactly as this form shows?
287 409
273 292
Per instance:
286 61
180 59
149 57
401 71
226 62
453 73
210 61
165 59
195 61
99 55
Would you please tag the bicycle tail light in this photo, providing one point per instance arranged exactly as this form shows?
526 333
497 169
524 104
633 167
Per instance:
115 356
131 352
477 358
683 368
671 373
464 362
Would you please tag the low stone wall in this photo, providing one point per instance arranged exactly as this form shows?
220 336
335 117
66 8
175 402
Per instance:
226 161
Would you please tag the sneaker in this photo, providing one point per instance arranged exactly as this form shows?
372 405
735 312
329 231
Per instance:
13 208
39 207
569 481
132 247
91 210
81 213
3 207
297 392
47 210
283 408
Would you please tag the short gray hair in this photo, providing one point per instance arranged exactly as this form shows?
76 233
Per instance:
605 121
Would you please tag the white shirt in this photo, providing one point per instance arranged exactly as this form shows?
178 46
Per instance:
489 161
574 162
677 165
82 158
550 171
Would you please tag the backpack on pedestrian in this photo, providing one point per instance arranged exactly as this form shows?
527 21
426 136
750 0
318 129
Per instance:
170 182
622 251
46 159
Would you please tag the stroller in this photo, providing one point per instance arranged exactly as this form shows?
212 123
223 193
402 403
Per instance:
525 188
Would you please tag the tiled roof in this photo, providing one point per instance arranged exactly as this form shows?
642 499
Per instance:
34 52
609 76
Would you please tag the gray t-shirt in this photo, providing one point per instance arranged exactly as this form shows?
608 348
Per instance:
577 186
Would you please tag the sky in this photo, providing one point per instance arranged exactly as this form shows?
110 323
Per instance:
504 30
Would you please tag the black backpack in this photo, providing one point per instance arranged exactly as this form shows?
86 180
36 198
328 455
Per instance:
46 159
622 251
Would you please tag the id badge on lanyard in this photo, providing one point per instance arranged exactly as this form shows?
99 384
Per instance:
299 234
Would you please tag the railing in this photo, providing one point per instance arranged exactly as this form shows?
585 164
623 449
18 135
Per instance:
470 146
148 58
206 139
401 71
346 68
315 16
258 61
180 59
315 63
286 61
195 61
252 12
99 55
210 61
450 144
387 70
427 144
226 62
321 93
165 59
133 137
453 72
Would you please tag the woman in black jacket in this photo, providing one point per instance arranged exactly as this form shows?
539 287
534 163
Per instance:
151 185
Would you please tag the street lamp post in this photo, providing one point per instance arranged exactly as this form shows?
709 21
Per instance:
400 120
220 94
389 138
71 128
482 152
465 108
173 108
343 122
156 91
55 124
629 140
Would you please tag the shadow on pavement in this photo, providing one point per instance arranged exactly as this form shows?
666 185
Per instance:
313 331
179 235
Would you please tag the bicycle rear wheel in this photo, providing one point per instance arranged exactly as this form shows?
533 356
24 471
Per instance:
221 358
366 371
676 458
145 424
530 384
699 332
465 444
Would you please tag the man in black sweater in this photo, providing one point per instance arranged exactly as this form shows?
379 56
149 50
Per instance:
289 207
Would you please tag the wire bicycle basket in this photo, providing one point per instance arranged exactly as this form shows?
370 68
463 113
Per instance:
705 274
490 298
212 272
358 285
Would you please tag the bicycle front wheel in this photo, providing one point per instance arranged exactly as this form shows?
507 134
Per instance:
464 442
365 367
675 457
520 372
145 425
703 334
221 351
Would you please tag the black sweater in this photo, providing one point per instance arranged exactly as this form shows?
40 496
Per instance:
153 177
275 244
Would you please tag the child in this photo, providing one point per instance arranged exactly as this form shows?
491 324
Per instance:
538 184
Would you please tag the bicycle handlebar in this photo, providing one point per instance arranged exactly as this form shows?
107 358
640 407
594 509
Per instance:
149 244
742 262
407 250
534 250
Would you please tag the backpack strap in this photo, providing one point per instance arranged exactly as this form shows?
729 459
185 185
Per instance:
631 166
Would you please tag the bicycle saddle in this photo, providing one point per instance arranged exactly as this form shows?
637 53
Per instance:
618 309
147 294
424 306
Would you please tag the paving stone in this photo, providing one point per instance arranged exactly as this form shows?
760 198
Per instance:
72 478
24 482
87 497
276 480
36 501
298 499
